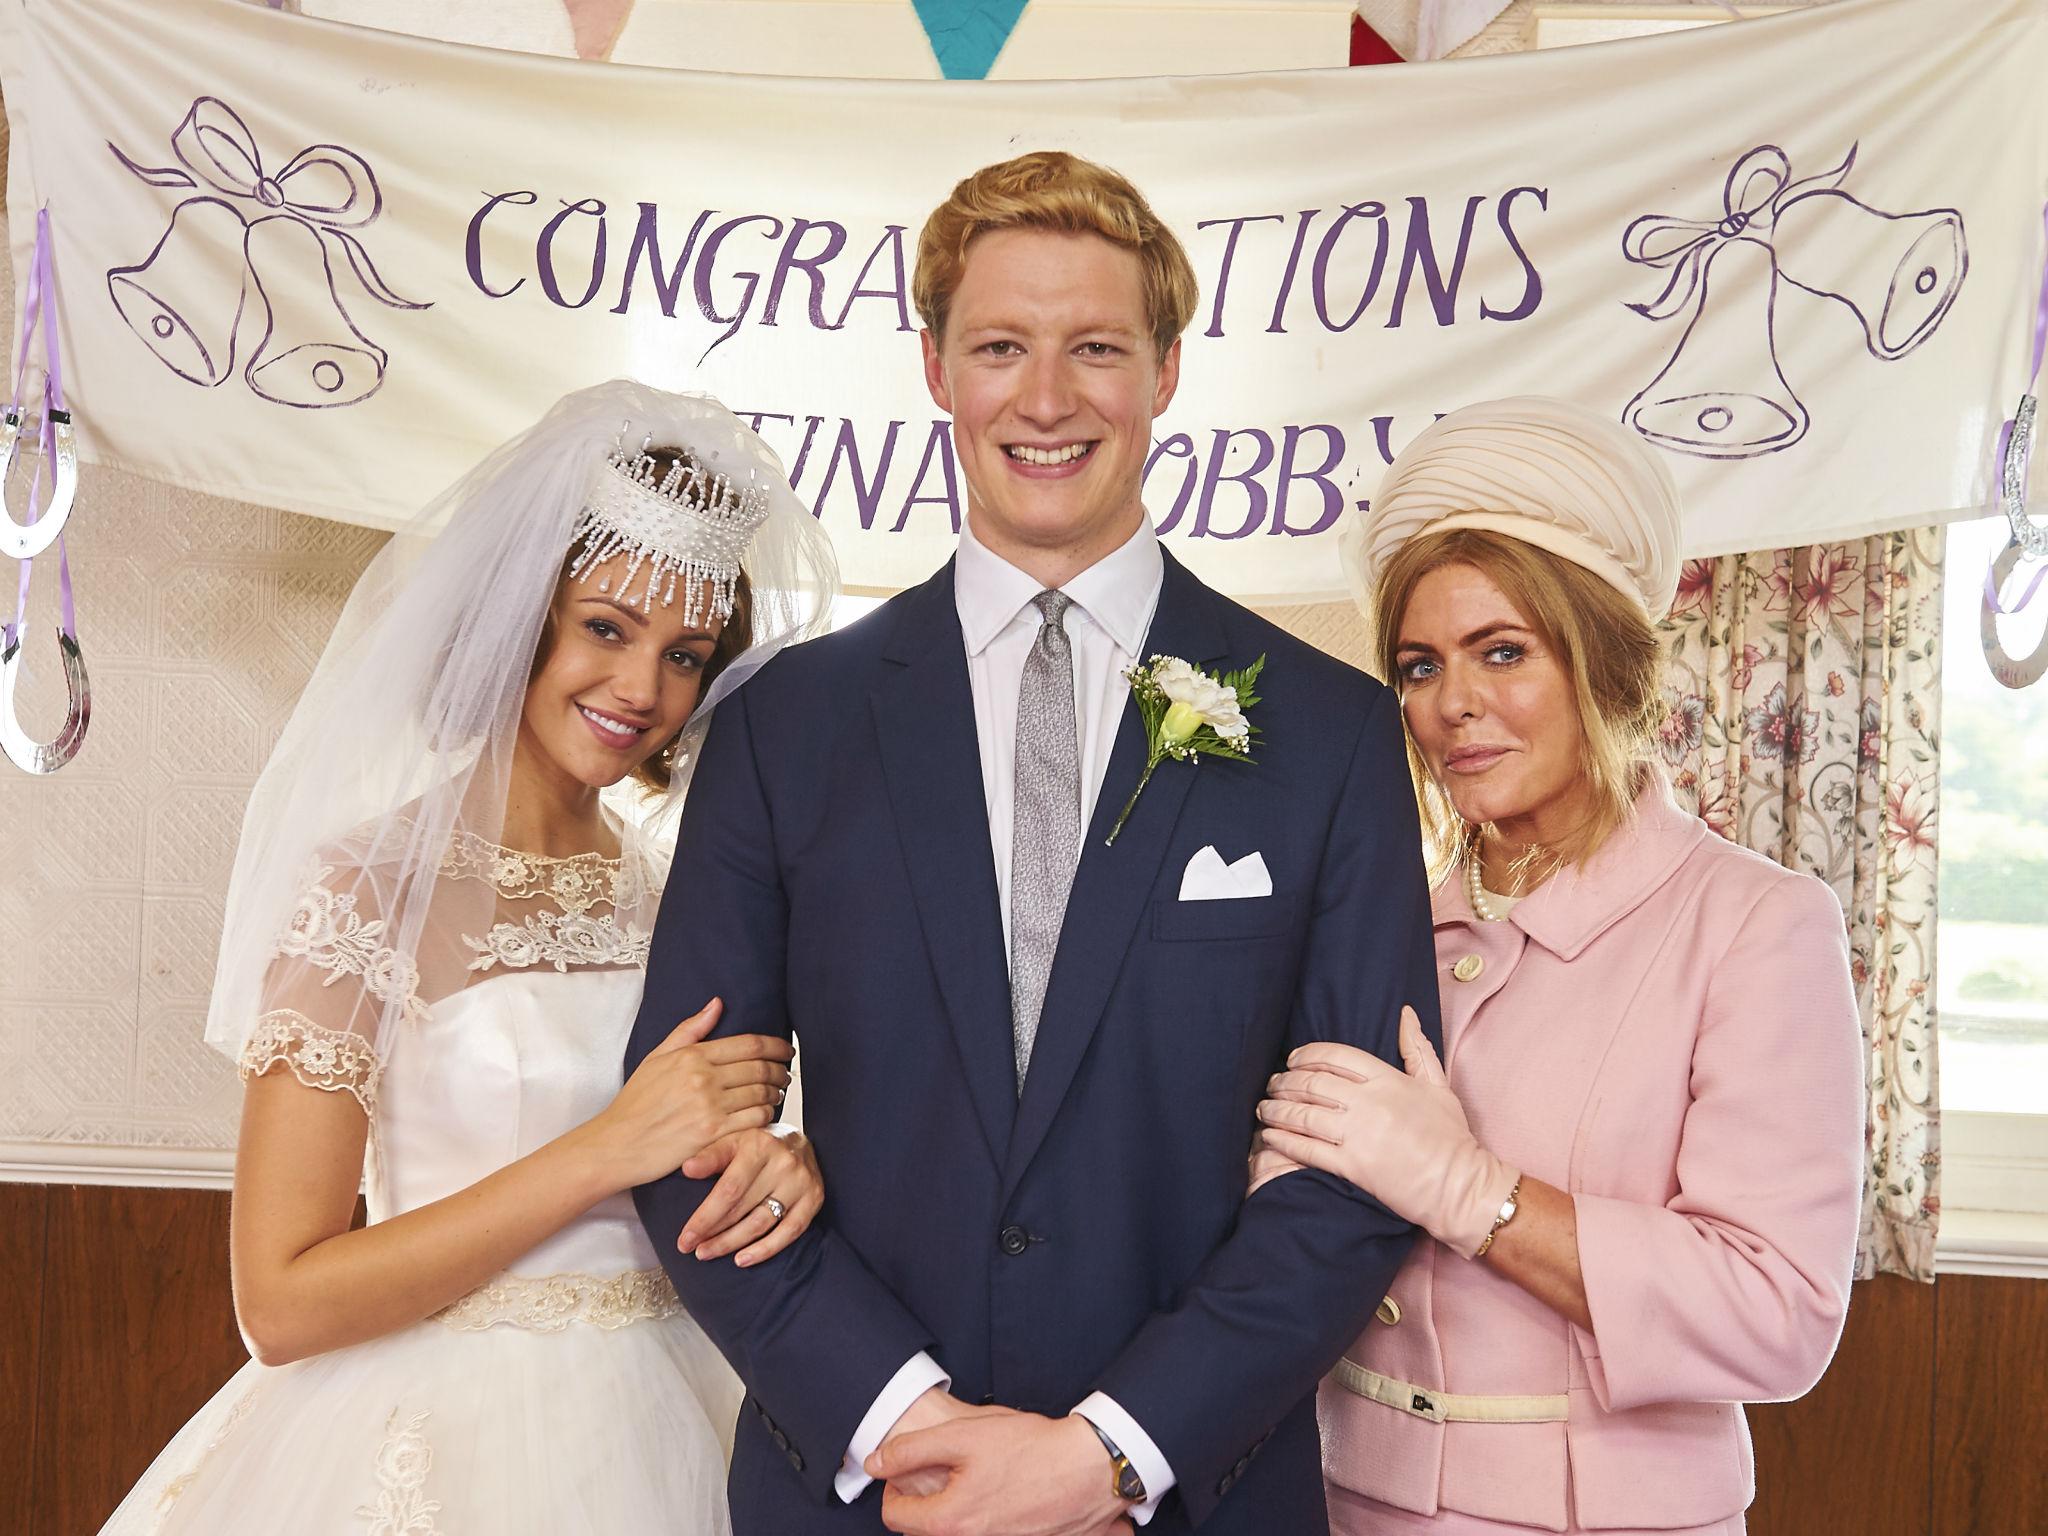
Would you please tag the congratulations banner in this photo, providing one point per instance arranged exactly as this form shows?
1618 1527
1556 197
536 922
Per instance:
324 268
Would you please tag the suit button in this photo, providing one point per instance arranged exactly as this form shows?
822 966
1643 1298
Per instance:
1243 1462
781 1440
796 1461
1388 1311
1224 1487
988 1399
1013 1240
1468 969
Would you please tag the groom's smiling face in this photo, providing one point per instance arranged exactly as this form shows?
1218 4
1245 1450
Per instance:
1050 372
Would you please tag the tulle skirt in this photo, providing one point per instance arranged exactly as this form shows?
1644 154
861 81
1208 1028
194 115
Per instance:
431 1431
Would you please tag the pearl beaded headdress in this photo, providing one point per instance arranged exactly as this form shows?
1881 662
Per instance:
685 525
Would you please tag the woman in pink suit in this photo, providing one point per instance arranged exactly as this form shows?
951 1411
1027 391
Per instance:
1638 1158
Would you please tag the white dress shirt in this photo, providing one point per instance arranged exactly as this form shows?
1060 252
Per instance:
1113 603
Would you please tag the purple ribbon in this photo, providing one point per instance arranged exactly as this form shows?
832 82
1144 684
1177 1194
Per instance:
1991 592
39 309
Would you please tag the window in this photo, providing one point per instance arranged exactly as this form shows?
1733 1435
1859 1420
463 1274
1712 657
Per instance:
1992 961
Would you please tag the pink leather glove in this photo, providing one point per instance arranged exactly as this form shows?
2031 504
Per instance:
1399 1136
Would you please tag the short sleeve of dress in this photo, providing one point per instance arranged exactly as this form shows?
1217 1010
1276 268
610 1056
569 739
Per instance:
334 982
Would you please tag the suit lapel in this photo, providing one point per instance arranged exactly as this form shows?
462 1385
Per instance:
924 716
1112 885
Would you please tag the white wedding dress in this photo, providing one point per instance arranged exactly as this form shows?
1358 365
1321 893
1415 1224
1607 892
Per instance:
569 1396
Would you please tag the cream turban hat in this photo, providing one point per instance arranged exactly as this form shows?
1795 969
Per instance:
1545 471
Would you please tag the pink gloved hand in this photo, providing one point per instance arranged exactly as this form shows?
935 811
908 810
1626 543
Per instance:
1399 1136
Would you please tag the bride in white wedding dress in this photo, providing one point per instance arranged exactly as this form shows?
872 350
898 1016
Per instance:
435 943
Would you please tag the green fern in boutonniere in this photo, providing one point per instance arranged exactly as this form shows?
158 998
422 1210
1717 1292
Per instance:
1189 713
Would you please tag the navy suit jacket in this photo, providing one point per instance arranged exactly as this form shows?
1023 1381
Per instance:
833 881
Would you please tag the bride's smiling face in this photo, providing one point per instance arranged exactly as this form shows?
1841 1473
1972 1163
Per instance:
614 683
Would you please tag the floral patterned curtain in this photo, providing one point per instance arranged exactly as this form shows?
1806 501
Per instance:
1804 687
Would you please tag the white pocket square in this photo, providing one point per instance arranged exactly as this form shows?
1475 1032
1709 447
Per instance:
1208 878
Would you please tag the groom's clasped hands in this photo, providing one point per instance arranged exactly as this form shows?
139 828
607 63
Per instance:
956 1469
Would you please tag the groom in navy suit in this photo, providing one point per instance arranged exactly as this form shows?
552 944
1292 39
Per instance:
1038 1300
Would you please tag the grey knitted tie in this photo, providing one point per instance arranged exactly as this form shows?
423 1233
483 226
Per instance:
1046 831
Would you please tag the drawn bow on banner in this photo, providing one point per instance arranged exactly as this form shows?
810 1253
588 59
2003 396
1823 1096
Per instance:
1899 274
270 232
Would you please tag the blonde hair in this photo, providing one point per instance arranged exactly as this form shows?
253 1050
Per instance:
1604 642
1050 189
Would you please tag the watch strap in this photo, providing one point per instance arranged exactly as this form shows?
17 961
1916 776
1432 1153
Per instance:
1124 1480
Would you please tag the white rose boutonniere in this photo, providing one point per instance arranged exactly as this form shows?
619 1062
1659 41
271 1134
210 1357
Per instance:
1189 713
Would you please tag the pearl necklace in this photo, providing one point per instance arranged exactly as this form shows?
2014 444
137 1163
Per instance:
1483 907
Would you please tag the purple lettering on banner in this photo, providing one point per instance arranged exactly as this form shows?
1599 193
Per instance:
647 240
706 264
1532 288
867 493
1277 327
899 290
1420 255
544 252
803 454
473 245
1229 255
1382 437
1319 274
1332 497
1179 446
939 447
789 261
1255 493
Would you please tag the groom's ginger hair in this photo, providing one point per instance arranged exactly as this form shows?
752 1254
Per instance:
1050 189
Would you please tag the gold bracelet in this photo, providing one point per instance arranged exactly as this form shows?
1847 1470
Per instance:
1507 1214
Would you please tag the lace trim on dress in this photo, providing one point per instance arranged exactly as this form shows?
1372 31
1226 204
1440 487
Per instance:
550 1303
331 1060
403 1462
575 884
546 938
326 931
572 936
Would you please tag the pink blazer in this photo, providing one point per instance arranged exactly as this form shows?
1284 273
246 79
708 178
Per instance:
1669 1033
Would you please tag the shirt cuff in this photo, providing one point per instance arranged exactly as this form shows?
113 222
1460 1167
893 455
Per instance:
1107 1415
918 1375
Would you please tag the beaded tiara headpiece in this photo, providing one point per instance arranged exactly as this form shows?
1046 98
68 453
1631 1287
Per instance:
686 525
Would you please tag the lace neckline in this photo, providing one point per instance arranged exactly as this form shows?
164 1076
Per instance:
576 883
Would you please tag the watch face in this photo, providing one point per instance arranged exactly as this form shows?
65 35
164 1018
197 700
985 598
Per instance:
1128 1484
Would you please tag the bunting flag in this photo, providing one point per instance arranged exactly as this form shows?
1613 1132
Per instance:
967 35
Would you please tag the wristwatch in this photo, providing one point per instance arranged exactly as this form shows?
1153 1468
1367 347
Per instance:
1124 1481
1508 1208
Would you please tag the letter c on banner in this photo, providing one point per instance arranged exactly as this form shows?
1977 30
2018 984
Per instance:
473 246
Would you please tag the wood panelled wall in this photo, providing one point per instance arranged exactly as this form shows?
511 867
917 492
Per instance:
115 1325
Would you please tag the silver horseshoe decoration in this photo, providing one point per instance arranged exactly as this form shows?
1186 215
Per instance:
25 541
2029 540
26 753
2030 536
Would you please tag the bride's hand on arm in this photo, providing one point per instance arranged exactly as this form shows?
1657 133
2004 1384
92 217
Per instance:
689 1093
752 1167
306 1284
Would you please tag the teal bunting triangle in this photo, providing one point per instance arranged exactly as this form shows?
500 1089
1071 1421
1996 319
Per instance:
967 35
